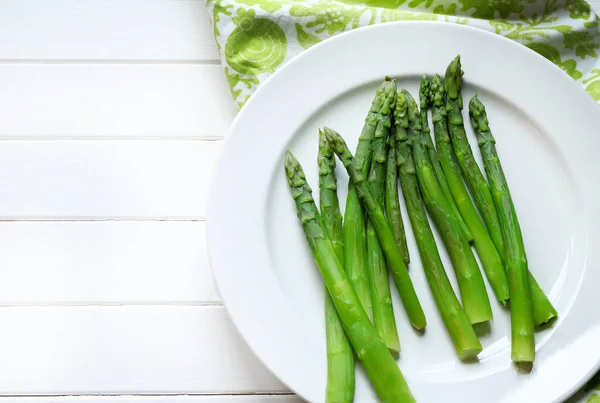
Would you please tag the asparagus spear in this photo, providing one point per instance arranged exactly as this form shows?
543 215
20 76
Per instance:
470 281
383 312
424 92
340 358
542 308
386 237
521 307
392 203
453 315
490 258
468 166
355 252
380 366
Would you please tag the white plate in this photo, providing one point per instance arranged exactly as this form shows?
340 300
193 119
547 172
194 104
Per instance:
546 127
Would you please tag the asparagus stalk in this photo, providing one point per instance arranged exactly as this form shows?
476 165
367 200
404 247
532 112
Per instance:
542 308
340 358
489 256
355 252
380 366
470 281
383 312
386 237
392 203
453 315
468 166
521 307
424 92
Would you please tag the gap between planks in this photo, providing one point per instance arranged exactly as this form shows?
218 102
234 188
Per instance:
83 219
154 394
114 137
163 398
111 304
166 62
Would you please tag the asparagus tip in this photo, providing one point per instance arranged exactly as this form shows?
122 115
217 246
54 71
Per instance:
453 78
291 163
289 157
424 92
413 108
436 91
292 167
337 144
400 114
322 138
329 133
478 115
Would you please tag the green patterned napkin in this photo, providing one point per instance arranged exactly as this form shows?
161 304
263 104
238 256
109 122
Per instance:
256 37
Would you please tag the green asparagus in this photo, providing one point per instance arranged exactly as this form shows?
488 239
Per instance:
521 307
489 256
468 166
392 203
453 315
470 281
355 252
383 312
340 357
542 308
386 237
424 92
380 366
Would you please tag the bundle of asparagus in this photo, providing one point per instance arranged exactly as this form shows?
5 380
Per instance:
356 254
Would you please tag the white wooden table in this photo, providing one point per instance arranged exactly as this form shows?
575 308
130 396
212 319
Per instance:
112 113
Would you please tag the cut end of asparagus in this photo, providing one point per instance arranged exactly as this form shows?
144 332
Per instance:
393 348
544 312
424 92
480 318
469 353
522 347
479 314
522 357
453 78
548 319
478 115
436 91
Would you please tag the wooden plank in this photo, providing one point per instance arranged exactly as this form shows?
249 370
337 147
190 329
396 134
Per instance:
105 179
114 101
126 350
108 262
106 29
156 399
